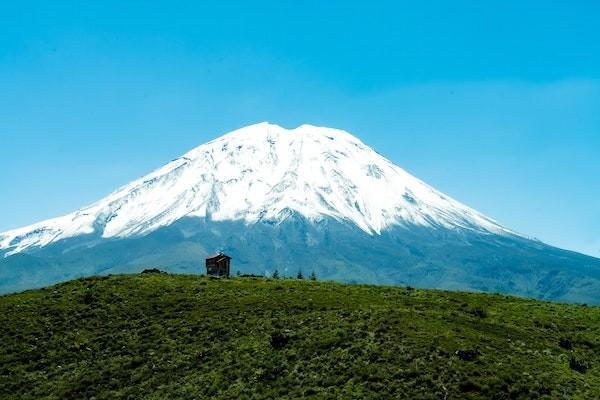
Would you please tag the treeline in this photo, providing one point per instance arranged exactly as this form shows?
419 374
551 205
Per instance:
277 275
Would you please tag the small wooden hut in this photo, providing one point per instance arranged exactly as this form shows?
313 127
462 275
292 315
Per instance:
218 265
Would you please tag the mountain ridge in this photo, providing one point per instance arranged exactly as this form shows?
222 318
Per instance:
291 169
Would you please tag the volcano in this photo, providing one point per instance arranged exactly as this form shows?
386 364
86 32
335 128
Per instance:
311 198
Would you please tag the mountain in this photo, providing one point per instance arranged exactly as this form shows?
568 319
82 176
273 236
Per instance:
264 173
309 198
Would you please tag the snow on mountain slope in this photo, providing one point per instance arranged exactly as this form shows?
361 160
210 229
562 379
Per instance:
265 172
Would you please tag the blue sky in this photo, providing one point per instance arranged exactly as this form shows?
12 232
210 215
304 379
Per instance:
495 103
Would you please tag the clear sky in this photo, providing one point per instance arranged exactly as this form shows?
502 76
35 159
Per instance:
495 103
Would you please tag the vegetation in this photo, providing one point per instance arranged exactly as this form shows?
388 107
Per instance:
163 336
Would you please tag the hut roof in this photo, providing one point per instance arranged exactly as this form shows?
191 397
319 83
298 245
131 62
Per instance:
218 256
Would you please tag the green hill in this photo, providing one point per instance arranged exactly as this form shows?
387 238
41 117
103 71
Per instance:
164 336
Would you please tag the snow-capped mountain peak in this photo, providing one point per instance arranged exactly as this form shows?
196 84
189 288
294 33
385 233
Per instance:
265 172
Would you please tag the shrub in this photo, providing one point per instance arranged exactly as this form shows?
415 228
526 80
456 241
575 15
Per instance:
565 343
152 271
467 354
478 312
88 297
279 339
468 386
578 365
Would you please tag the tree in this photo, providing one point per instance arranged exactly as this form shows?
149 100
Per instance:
313 276
275 274
299 276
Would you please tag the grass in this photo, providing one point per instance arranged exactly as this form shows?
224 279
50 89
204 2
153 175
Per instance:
160 336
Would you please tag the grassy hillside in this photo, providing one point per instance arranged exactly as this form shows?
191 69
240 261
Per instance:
163 336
